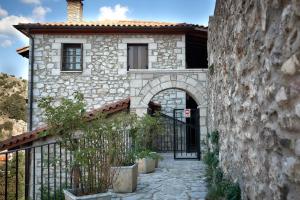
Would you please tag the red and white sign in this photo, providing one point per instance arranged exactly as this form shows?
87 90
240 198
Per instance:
187 113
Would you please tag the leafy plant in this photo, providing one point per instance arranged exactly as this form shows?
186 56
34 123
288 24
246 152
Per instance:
96 146
11 176
218 186
149 127
56 194
6 126
14 107
148 154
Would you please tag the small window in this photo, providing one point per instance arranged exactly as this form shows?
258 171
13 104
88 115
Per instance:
137 56
72 57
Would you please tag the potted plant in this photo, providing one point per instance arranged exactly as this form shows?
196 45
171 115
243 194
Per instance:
93 146
150 127
125 180
146 161
156 157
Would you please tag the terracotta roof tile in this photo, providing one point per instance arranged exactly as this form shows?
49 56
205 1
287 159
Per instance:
30 136
109 26
114 23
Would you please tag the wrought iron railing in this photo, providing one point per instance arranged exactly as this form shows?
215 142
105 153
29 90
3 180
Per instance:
43 171
37 172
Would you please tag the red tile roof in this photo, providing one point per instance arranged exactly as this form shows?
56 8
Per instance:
113 23
34 135
107 26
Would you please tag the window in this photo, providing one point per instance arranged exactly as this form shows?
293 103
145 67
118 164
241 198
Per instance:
137 56
72 57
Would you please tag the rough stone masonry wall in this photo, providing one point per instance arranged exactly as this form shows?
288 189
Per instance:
170 99
104 77
254 49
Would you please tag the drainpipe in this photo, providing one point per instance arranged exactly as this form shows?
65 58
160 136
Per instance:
27 152
31 81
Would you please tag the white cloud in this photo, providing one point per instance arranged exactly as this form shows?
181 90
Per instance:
112 13
8 31
40 12
3 13
31 1
6 43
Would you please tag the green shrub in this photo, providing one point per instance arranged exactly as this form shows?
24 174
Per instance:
219 187
233 192
14 107
56 194
8 125
211 159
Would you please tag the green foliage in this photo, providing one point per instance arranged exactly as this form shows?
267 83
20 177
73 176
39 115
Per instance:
12 177
233 191
219 187
14 107
96 145
65 118
211 159
57 194
148 154
147 130
214 137
8 125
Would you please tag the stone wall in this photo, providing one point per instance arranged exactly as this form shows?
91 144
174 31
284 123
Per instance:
169 100
104 77
254 59
145 84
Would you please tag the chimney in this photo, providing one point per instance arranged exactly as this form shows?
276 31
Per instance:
74 9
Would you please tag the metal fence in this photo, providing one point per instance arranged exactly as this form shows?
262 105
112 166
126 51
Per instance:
43 171
38 172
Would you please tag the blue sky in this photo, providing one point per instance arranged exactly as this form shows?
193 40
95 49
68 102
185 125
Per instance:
15 11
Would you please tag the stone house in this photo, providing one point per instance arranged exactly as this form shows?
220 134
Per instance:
117 65
109 61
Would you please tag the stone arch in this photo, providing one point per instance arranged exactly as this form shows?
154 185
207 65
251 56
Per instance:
185 83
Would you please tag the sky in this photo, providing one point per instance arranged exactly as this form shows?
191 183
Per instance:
24 11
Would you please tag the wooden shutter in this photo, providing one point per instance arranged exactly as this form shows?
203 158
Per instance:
137 56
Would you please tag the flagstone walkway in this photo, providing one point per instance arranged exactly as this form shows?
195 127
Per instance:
173 180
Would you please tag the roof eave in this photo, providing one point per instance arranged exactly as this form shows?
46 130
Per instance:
28 29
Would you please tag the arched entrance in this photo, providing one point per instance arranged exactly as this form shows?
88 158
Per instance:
180 115
144 85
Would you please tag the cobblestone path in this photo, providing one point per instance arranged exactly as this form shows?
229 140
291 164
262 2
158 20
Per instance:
173 180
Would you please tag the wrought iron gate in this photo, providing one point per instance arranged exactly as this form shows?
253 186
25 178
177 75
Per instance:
186 128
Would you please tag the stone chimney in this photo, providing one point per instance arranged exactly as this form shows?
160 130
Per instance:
74 9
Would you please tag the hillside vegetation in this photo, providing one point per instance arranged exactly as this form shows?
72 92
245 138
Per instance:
13 93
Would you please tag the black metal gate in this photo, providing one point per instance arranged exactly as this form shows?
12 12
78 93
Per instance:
186 130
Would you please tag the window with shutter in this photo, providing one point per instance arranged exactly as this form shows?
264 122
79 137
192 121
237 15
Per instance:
137 56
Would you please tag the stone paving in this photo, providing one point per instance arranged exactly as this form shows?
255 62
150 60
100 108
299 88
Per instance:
173 180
